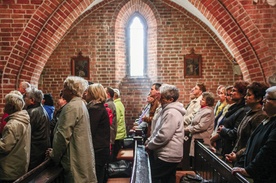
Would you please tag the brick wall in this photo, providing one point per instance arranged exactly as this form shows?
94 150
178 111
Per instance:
176 33
34 33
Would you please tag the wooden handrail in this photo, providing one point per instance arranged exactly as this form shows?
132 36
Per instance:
45 172
212 168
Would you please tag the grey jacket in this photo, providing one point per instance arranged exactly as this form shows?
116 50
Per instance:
167 137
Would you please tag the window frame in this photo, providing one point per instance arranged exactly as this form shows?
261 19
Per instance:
127 36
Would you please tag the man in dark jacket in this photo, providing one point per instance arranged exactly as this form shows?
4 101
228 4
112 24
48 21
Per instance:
113 128
260 160
40 140
61 103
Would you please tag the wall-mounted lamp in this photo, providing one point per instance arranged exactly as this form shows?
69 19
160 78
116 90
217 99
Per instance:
270 2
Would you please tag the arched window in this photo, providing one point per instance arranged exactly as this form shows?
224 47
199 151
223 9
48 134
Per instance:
136 46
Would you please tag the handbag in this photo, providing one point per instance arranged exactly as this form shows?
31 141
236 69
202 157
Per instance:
120 168
192 179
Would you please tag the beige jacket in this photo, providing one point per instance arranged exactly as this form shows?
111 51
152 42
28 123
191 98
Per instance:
15 146
202 127
72 143
192 109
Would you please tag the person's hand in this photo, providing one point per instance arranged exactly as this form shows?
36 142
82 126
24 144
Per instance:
213 144
186 129
242 171
143 118
147 149
231 157
150 99
48 152
219 128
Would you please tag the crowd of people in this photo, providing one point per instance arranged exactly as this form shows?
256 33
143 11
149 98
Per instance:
88 129
79 135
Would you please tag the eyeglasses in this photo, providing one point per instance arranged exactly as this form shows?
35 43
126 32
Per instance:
268 98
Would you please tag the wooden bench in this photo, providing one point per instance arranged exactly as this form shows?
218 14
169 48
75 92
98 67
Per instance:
118 180
125 154
47 172
212 168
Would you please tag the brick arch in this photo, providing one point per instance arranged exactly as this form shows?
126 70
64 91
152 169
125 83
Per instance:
40 37
240 34
203 26
236 28
125 11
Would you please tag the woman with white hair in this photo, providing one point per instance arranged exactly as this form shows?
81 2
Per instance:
15 144
72 143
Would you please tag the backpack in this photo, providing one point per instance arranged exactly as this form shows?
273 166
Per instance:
109 112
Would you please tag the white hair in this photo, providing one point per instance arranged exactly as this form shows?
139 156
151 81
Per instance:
15 98
76 84
272 90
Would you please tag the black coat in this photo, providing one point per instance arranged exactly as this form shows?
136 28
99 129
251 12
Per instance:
100 127
40 140
231 121
260 154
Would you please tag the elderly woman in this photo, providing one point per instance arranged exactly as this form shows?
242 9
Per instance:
72 143
100 126
167 137
15 144
202 125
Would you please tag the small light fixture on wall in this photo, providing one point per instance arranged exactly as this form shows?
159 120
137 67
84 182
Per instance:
236 68
270 2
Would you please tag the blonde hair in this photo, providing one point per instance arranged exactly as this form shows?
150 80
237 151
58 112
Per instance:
97 92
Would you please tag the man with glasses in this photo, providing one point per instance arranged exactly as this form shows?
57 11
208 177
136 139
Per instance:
260 160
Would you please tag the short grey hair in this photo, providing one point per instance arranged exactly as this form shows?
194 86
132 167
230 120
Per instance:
25 84
35 94
76 84
15 98
272 91
209 97
169 91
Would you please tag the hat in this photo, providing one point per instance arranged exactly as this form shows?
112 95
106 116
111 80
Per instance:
116 91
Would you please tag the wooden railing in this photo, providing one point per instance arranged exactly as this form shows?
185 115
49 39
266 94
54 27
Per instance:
212 168
46 172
